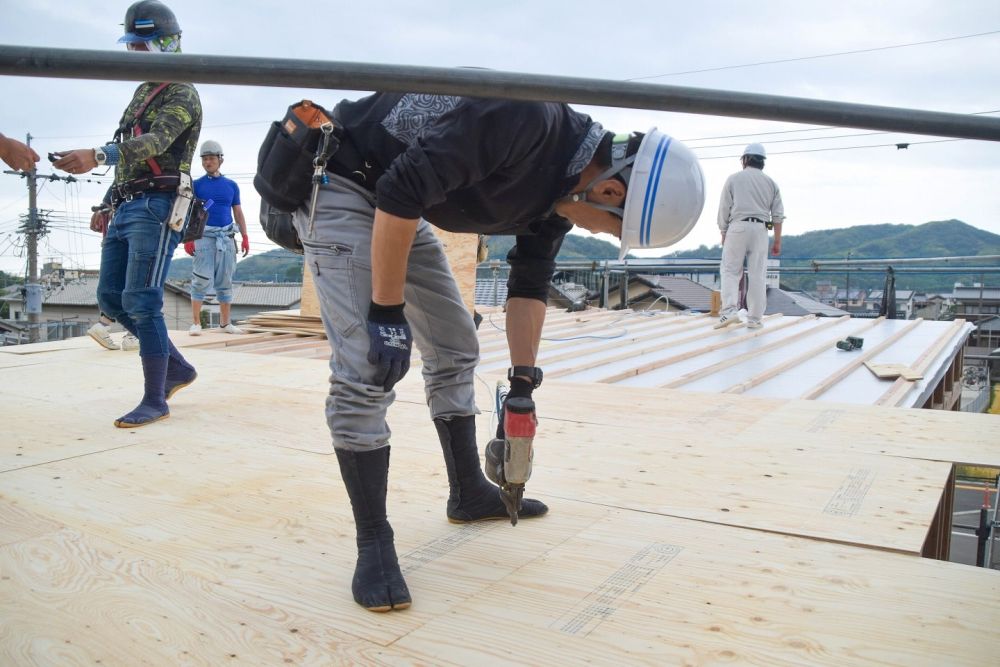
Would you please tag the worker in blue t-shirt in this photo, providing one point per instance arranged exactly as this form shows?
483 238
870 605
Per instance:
215 252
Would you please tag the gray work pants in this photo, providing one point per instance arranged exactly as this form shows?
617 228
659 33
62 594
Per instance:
745 239
338 254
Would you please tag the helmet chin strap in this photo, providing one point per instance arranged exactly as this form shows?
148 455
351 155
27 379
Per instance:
606 174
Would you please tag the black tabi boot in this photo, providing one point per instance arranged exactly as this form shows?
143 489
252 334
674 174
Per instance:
472 497
153 406
378 583
179 372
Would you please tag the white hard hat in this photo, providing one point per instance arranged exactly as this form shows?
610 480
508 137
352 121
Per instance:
755 149
211 148
666 193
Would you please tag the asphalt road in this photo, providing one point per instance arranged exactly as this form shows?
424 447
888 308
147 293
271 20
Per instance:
968 499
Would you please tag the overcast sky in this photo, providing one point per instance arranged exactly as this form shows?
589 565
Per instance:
822 188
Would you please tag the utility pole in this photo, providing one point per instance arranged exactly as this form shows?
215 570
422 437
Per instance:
847 290
33 291
32 229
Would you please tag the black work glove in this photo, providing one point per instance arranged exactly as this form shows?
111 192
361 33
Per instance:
391 341
518 387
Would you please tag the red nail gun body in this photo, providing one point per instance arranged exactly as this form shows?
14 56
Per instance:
508 461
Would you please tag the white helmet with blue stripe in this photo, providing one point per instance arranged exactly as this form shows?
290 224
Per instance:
666 190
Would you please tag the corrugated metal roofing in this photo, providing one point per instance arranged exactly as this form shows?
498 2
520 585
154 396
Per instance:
490 293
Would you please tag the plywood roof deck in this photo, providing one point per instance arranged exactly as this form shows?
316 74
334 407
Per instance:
685 528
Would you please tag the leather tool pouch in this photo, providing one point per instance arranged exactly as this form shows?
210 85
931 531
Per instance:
286 161
182 204
279 228
188 214
197 217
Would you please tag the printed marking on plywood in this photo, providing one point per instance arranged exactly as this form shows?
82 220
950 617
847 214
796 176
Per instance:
442 546
851 494
824 419
603 601
713 415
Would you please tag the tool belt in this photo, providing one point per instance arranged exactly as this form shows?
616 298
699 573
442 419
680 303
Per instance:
766 223
137 187
291 152
348 163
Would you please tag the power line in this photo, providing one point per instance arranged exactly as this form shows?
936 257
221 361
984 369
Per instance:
757 135
839 148
816 57
204 127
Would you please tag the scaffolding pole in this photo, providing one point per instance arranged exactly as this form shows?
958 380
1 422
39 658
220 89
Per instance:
338 75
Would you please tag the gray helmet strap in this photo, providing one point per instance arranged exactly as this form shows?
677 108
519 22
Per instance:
604 175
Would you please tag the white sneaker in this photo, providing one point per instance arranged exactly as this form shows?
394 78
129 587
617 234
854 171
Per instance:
232 329
195 330
754 325
726 320
130 343
100 333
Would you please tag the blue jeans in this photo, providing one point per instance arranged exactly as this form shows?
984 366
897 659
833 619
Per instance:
135 257
214 264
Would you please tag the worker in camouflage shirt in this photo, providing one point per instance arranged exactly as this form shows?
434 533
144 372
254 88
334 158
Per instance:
153 146
170 127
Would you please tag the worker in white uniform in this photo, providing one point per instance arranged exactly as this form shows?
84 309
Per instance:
750 206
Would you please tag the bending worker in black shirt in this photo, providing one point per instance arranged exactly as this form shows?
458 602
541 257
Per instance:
465 165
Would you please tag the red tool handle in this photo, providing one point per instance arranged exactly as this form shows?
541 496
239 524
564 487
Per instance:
519 418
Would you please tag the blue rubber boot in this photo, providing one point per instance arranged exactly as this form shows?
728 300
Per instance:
179 373
153 406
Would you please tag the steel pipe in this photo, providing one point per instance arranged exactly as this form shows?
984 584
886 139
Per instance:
825 263
339 75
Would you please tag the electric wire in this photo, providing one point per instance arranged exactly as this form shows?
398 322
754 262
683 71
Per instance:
816 57
804 129
843 148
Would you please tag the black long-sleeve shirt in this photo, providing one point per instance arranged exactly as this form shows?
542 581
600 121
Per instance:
473 165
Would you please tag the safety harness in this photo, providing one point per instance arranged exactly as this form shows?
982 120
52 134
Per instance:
158 181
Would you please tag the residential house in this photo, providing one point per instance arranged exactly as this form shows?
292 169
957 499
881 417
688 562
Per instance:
662 292
976 302
69 306
904 303
930 306
850 299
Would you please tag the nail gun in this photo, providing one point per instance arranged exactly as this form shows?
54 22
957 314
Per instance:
508 459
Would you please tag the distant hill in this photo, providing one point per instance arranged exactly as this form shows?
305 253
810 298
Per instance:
943 238
283 266
278 266
573 247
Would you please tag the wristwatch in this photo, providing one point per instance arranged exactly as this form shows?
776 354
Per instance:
100 156
534 373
